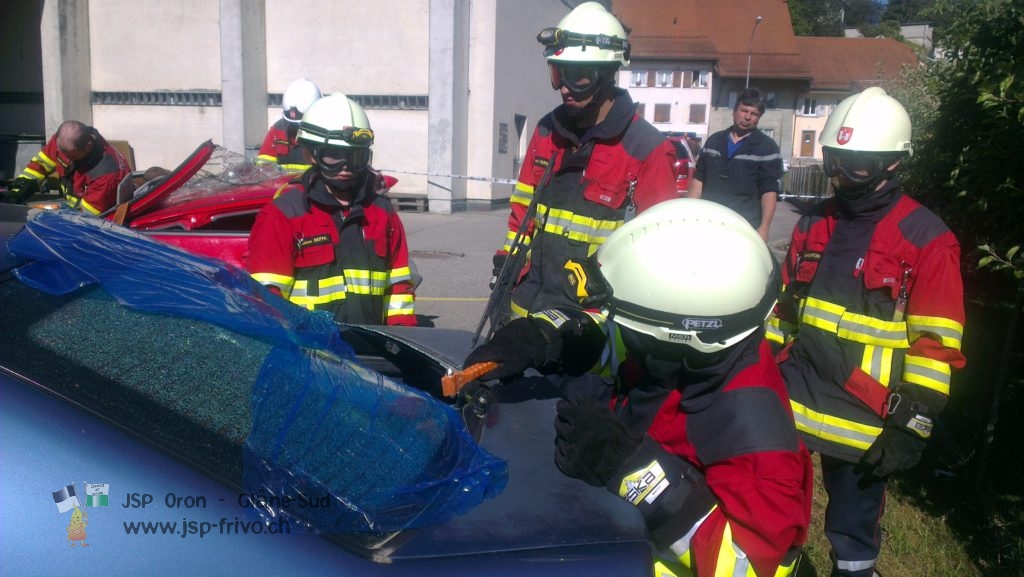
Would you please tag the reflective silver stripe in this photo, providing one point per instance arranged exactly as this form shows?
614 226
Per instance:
576 226
950 332
682 546
757 158
834 429
869 330
878 363
398 275
855 565
927 373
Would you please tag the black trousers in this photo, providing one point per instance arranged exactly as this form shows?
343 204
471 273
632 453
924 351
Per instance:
852 518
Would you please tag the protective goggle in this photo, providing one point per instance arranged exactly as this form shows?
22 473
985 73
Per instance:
332 161
556 39
581 79
856 166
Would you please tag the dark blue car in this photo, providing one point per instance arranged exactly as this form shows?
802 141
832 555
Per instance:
152 425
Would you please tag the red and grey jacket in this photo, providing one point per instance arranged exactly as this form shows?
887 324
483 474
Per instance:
622 164
732 421
280 146
90 184
872 300
351 261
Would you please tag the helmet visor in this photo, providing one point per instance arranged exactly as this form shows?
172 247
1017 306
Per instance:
582 80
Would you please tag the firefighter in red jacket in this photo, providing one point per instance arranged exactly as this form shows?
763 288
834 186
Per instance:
871 321
90 170
696 430
608 162
328 241
281 145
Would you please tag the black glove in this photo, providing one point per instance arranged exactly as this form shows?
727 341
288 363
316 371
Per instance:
498 260
899 447
21 188
591 443
519 345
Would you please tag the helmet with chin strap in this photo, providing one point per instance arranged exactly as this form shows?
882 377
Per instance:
690 276
585 49
863 137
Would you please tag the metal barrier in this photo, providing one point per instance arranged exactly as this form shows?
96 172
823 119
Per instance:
805 180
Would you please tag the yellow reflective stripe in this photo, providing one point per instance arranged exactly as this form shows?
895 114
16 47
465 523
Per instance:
577 226
869 330
49 164
510 237
681 548
854 327
400 305
85 206
521 194
294 167
822 314
927 373
519 312
282 282
330 289
773 331
364 282
877 362
400 274
34 174
266 158
835 429
949 332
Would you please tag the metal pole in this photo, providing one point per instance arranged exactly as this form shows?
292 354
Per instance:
750 46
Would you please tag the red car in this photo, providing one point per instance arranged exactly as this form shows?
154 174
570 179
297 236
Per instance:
207 205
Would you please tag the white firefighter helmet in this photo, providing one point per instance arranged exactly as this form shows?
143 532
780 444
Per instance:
335 121
869 121
589 34
690 272
298 97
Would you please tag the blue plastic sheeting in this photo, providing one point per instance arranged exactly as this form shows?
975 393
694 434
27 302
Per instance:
333 446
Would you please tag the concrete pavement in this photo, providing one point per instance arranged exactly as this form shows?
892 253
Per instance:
453 254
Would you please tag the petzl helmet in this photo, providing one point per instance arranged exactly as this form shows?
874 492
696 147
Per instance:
689 272
298 97
338 121
589 34
869 121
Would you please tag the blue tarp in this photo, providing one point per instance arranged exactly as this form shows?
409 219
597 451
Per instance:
333 446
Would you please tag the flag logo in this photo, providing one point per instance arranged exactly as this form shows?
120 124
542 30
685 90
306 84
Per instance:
66 499
97 495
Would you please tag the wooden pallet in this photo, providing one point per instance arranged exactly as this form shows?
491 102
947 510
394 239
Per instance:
407 201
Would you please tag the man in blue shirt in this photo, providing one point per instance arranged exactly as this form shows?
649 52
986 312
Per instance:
740 166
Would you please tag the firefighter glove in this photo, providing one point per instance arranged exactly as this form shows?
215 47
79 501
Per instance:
591 443
521 344
498 260
912 410
21 188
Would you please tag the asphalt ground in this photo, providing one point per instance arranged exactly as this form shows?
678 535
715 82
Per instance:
453 254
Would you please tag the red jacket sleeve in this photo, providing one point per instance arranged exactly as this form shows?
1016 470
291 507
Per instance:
766 500
657 180
271 251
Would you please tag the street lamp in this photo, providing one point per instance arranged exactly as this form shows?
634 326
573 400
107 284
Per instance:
750 46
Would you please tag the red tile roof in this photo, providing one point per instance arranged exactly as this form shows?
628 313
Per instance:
852 64
719 31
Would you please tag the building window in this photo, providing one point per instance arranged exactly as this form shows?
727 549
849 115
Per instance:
695 79
769 100
663 79
698 113
637 78
662 113
810 107
641 109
